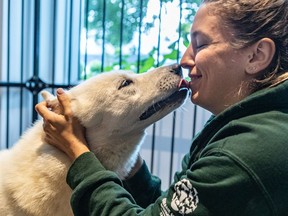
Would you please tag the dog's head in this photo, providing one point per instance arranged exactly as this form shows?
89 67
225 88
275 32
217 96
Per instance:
122 103
125 101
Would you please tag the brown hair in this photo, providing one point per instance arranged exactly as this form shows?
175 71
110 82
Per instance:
252 20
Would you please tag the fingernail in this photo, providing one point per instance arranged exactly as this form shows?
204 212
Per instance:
60 91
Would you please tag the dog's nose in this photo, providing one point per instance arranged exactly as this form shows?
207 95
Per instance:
176 69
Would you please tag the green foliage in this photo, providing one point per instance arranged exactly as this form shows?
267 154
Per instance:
95 66
110 12
130 16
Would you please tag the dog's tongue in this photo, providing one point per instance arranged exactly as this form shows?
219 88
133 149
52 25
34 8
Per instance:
183 84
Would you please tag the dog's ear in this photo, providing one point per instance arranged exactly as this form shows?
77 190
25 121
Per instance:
52 101
86 112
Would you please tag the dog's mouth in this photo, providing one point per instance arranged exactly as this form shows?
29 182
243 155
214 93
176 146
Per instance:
179 95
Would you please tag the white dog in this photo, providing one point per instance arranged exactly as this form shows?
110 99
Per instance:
115 109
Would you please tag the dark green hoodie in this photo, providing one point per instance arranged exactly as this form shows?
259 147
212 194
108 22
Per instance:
237 165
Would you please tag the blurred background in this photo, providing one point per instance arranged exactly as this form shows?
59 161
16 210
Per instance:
46 44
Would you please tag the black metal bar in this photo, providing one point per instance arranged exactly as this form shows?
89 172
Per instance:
153 148
65 38
79 50
22 69
139 37
11 84
194 121
180 31
70 42
121 33
36 37
159 34
36 52
103 35
8 78
25 85
86 35
54 41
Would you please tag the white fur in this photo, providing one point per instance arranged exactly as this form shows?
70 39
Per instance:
32 173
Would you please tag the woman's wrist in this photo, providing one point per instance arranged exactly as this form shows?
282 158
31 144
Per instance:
77 152
76 148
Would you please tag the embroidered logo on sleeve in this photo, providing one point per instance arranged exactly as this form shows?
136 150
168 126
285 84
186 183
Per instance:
165 211
184 200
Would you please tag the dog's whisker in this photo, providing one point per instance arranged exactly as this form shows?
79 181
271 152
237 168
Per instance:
183 109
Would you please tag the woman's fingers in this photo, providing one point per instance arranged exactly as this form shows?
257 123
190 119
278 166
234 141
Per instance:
64 132
43 110
48 127
64 101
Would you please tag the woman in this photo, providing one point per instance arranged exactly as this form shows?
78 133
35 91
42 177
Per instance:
238 65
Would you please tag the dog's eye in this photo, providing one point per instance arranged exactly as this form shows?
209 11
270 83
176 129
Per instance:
125 83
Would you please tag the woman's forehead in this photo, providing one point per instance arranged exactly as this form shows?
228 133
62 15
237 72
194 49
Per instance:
206 24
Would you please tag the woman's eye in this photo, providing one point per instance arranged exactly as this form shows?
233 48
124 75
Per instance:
199 47
125 83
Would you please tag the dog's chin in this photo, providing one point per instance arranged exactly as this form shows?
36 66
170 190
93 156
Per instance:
171 102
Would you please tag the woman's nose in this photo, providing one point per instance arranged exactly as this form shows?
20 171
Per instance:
187 60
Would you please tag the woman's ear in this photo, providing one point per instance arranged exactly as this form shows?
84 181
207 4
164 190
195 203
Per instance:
261 55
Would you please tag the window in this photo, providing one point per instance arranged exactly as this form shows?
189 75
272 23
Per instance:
51 44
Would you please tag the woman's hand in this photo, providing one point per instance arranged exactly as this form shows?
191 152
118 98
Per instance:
63 130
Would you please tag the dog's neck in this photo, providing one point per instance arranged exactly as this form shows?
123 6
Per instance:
115 152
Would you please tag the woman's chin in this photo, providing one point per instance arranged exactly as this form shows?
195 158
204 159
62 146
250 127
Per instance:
195 98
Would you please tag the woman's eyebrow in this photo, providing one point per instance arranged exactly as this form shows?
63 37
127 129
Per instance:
198 33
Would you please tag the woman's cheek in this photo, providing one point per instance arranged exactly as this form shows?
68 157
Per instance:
200 60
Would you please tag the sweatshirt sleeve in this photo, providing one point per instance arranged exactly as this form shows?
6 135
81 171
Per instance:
97 191
214 185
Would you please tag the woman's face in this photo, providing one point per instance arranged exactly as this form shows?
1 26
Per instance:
217 71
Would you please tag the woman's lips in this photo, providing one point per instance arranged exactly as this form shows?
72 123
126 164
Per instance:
186 84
